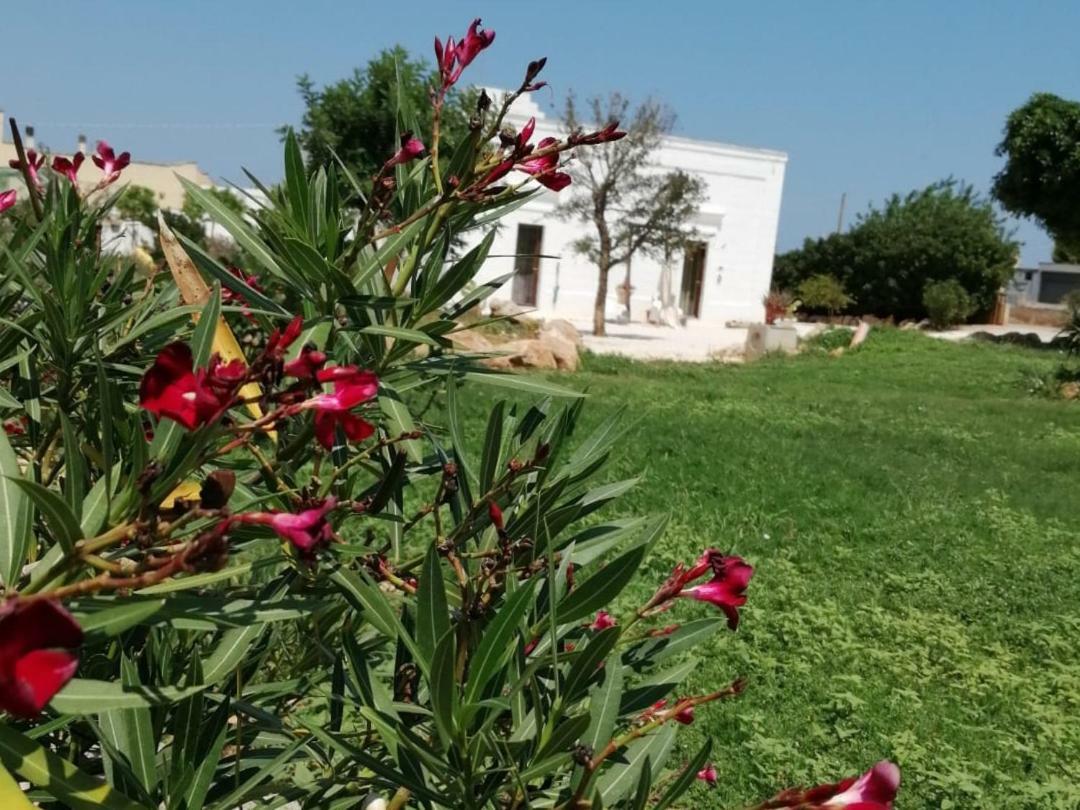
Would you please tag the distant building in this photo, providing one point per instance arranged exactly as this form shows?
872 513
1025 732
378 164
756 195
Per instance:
719 279
1047 284
161 178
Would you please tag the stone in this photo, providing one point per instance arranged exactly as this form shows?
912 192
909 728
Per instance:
522 354
564 329
502 308
564 351
470 340
861 332
762 339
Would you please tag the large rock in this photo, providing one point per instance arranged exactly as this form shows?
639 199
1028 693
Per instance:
562 329
523 354
564 350
470 340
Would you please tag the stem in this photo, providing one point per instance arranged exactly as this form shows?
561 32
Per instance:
31 188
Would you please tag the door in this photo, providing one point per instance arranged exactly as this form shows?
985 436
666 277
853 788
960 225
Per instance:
527 265
693 279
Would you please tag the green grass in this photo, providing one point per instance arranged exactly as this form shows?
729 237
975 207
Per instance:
914 519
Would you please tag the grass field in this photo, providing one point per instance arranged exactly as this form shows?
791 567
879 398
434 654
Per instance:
914 518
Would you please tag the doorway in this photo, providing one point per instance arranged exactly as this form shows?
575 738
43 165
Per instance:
693 279
527 265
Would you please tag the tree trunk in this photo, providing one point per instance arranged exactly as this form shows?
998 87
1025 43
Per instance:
604 267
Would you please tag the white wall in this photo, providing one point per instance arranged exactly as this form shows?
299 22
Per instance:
738 221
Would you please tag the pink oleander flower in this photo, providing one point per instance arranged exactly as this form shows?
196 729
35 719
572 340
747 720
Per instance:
69 167
352 387
281 339
411 148
685 715
171 388
727 588
455 57
496 516
609 133
543 168
305 530
708 775
306 365
874 790
38 644
7 199
109 162
34 162
602 621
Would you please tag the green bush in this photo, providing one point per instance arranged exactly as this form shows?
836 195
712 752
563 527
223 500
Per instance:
947 303
824 292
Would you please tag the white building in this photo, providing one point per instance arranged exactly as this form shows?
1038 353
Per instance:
723 279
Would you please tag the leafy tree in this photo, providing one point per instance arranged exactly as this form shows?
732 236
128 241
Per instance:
944 231
632 207
1041 178
356 117
824 292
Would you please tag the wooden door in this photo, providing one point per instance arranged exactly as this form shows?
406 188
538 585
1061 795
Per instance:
527 265
693 279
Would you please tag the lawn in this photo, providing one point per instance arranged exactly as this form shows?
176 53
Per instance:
913 516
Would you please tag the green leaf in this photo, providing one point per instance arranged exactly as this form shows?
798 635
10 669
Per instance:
497 643
84 696
211 743
369 600
214 269
296 180
443 687
620 777
56 776
114 621
400 420
601 588
462 272
604 701
230 651
432 611
11 795
489 459
236 225
522 383
587 662
15 515
652 650
131 733
685 778
58 515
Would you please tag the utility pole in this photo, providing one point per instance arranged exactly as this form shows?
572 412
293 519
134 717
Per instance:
840 215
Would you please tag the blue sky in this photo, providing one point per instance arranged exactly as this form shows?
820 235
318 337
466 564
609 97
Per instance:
866 97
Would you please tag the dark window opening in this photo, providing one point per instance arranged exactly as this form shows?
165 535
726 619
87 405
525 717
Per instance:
527 265
693 279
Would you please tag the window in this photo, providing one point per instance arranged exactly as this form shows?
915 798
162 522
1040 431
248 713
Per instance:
527 265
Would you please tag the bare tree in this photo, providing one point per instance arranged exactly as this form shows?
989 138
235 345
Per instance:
633 207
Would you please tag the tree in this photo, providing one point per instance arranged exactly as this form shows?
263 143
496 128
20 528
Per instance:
356 117
944 231
1041 177
632 207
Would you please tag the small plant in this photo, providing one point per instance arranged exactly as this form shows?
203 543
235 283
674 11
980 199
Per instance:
824 292
947 303
778 304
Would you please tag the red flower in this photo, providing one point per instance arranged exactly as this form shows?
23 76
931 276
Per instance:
7 199
305 530
609 133
69 168
38 640
34 162
351 387
542 168
110 164
602 621
230 297
280 340
411 148
496 515
685 715
874 790
727 588
455 57
306 365
708 775
170 388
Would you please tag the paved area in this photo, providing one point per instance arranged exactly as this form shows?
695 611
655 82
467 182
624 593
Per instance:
696 342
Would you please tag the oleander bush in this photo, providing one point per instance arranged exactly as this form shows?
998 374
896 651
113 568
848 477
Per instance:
249 574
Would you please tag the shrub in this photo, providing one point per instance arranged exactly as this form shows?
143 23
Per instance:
822 292
257 573
945 231
778 304
947 303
